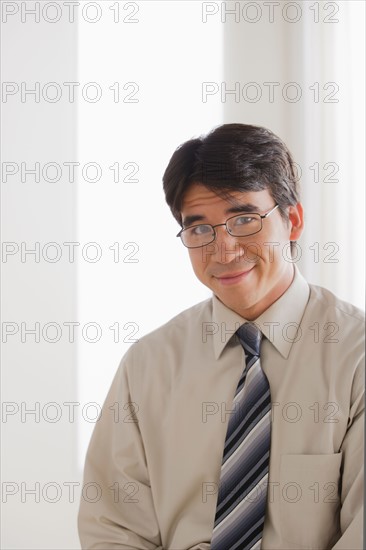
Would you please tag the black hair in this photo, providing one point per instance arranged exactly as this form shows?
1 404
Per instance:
233 157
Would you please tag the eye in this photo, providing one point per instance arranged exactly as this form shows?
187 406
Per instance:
200 230
244 220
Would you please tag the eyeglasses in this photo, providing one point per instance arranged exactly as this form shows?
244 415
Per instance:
241 225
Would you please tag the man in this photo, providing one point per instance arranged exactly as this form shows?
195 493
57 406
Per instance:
240 421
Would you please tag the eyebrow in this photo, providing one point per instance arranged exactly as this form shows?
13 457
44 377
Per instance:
237 209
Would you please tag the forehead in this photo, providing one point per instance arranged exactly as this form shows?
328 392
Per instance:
198 197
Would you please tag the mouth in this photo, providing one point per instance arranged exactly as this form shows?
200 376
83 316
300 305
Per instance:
233 278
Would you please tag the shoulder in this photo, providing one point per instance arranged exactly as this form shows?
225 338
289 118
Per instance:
337 319
181 330
327 301
158 357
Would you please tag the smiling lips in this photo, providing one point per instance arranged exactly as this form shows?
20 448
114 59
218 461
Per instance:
233 278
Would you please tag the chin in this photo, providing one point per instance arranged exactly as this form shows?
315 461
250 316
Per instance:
241 297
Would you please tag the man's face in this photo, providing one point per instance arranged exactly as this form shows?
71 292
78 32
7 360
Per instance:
247 273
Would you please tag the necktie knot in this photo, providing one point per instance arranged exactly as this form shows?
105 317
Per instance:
250 338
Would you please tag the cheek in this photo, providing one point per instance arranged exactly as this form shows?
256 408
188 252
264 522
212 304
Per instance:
198 261
270 248
255 252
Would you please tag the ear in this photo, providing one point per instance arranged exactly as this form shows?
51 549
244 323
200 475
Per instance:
296 221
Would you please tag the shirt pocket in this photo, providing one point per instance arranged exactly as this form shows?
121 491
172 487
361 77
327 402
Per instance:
310 500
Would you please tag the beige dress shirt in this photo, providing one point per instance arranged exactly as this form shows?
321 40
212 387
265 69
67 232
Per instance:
153 465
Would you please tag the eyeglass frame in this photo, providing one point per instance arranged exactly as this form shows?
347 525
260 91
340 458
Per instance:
262 217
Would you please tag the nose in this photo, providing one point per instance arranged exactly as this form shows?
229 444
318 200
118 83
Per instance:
225 248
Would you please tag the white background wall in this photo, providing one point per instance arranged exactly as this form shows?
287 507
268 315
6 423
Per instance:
35 450
168 50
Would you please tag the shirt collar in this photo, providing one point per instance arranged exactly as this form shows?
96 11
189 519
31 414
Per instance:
287 311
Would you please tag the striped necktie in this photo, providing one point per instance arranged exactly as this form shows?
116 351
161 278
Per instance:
243 485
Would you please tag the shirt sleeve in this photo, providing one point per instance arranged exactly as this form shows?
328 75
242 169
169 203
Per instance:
351 514
116 508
